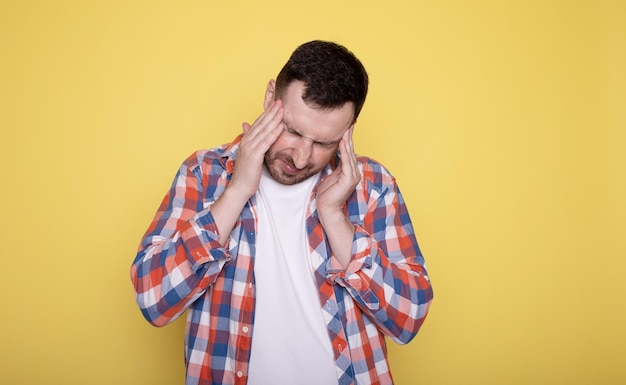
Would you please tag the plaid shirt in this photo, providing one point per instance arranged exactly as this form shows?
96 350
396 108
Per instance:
180 265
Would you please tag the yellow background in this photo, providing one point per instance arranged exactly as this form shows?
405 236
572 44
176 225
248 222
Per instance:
503 121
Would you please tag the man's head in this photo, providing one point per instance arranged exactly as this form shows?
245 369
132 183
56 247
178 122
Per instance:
332 75
322 89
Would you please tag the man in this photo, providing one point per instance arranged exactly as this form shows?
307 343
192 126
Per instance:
293 256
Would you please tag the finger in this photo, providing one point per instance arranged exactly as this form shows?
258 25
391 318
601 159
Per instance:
272 128
267 121
351 168
350 143
354 163
267 115
267 127
347 155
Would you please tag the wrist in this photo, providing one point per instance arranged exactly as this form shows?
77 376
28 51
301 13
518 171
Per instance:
340 234
233 198
330 218
238 194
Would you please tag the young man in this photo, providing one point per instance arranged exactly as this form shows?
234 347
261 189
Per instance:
293 256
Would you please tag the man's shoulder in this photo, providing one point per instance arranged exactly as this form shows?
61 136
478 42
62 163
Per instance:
373 170
219 155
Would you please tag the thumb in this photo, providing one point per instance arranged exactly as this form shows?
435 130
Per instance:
245 126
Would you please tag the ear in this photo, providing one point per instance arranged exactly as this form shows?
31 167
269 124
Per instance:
270 94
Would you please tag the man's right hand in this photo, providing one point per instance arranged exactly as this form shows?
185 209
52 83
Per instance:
256 140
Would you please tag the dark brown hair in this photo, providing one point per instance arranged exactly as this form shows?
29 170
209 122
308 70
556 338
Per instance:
332 75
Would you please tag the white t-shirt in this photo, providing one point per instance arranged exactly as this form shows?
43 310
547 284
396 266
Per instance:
290 342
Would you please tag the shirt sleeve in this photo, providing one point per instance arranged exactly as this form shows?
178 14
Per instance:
387 275
179 256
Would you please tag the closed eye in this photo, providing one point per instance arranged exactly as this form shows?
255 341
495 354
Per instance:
326 144
292 132
296 134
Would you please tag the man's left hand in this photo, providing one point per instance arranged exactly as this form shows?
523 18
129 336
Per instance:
332 194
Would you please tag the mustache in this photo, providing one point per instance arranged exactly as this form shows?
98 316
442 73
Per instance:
286 159
289 161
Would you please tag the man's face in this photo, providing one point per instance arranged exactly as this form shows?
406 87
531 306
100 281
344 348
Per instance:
309 140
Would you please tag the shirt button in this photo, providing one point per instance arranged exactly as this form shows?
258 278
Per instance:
239 374
245 329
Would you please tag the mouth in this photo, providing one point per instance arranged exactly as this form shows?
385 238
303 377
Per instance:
288 167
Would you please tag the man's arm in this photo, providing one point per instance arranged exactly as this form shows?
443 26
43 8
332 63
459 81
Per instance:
386 274
183 250
375 255
180 255
331 198
257 139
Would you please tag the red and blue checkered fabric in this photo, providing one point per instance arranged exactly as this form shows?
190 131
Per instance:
180 265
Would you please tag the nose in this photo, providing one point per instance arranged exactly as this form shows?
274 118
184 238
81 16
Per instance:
302 152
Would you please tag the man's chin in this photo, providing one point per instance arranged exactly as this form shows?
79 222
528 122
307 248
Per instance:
286 179
282 177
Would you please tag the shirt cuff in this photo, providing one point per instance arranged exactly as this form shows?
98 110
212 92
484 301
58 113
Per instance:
201 239
363 247
361 259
